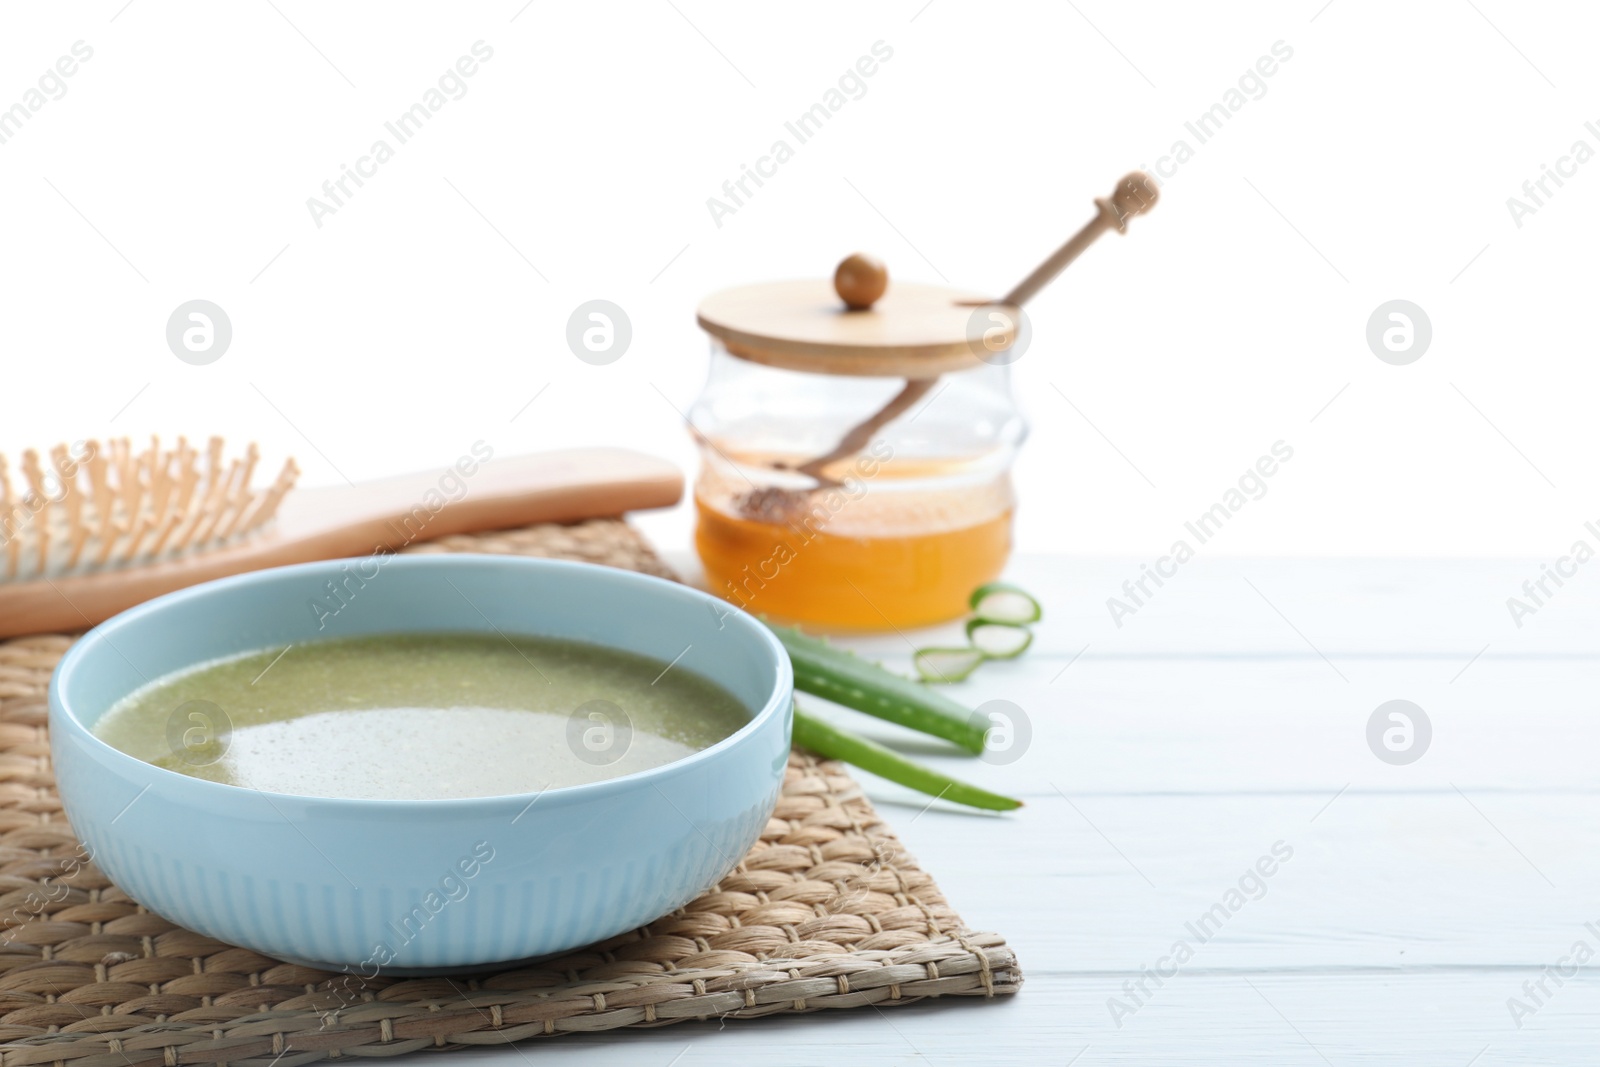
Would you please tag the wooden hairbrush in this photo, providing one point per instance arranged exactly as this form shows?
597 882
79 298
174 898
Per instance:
94 529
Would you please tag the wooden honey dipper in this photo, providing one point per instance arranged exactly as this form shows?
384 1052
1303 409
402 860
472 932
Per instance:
861 279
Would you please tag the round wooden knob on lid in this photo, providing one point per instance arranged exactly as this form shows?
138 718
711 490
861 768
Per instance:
860 280
854 324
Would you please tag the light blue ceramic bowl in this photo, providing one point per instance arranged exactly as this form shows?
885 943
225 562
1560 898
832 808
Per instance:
400 885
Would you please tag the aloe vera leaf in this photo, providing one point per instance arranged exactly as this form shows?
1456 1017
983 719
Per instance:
844 678
1000 602
999 640
947 664
828 740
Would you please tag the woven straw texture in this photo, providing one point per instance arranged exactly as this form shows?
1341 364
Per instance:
826 911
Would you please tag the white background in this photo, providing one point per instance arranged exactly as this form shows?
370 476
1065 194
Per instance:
430 310
416 321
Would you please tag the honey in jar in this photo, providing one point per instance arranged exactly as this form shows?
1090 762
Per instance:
856 461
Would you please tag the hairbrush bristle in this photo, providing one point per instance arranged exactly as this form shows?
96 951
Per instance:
98 505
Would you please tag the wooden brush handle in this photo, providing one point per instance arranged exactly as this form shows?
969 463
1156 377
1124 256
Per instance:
379 516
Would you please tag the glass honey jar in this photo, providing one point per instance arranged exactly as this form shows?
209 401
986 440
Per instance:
857 440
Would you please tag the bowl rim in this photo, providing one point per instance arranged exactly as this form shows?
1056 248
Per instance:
780 697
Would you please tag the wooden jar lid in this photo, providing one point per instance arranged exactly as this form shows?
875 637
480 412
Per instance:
911 331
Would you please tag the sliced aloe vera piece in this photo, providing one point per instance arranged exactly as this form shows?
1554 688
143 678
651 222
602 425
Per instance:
999 602
999 640
946 664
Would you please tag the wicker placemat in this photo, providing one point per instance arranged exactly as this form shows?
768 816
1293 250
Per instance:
826 911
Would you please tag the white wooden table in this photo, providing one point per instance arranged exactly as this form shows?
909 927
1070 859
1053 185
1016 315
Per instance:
1229 714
